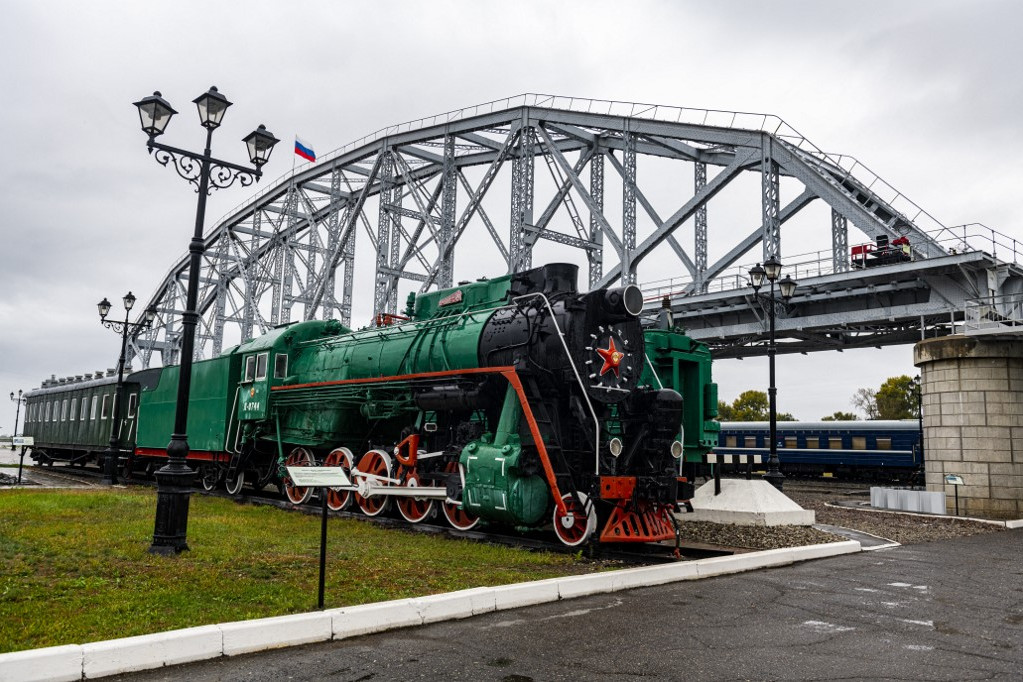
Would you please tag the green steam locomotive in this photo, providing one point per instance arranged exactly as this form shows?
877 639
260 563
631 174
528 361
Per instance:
517 401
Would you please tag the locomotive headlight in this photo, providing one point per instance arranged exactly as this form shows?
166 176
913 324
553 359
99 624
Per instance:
676 449
615 446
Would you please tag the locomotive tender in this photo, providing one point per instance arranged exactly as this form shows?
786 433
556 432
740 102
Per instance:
515 400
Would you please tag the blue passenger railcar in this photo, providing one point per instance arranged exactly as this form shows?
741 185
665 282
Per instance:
885 450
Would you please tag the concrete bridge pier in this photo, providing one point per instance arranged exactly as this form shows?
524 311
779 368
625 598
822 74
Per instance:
973 421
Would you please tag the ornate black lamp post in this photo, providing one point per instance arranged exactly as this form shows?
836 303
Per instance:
17 413
125 329
770 271
174 481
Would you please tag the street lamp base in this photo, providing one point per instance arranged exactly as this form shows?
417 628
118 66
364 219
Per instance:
109 468
775 478
173 491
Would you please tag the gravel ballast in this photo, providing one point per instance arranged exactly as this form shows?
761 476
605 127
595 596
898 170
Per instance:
831 509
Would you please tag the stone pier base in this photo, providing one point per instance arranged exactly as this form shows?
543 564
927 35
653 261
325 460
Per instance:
973 421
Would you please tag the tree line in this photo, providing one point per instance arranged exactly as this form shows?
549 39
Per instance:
896 398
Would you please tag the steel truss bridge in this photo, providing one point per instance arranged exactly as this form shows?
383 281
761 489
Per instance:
535 177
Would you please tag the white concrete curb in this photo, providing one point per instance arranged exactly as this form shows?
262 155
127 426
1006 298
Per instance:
98 659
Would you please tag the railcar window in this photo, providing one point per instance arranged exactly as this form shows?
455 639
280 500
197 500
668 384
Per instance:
132 400
56 410
47 412
859 442
261 360
95 402
85 408
750 441
813 442
730 441
790 442
74 408
250 368
835 443
884 443
103 412
63 410
280 366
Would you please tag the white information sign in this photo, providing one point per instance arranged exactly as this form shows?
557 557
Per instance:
954 479
23 440
317 477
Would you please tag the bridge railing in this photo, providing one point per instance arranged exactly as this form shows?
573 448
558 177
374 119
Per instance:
994 315
973 237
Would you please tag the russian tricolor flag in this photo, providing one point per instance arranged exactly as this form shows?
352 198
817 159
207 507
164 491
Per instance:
304 149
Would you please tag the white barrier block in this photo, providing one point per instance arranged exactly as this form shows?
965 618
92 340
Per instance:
116 656
582 585
825 550
653 575
739 562
438 607
271 633
54 663
1017 523
525 594
352 621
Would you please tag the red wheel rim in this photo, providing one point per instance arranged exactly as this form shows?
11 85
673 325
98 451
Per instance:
373 463
459 519
411 509
339 499
299 457
580 523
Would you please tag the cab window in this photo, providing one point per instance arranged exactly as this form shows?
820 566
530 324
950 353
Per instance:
250 368
280 366
261 361
132 401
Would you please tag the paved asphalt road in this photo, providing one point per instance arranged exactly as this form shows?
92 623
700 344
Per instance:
949 610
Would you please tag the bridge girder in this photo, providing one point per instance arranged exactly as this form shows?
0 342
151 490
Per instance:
291 252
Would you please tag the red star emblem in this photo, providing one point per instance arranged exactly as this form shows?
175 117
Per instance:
612 358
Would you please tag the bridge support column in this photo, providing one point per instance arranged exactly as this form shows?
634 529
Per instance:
973 421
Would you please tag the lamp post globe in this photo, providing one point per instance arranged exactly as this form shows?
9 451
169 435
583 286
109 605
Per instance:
206 173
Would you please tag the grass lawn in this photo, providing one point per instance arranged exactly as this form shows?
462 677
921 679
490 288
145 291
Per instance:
74 565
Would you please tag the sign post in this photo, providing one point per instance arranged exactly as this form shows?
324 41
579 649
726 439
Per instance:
23 441
322 478
955 480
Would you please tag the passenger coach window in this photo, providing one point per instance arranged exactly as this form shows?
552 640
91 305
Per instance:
790 442
729 441
835 443
63 410
250 368
884 443
74 408
56 410
47 412
859 442
813 442
95 402
261 361
132 400
750 441
103 412
280 366
85 408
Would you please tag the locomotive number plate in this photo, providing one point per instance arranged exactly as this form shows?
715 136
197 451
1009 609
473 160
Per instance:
318 477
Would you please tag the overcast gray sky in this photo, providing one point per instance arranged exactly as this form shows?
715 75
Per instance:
926 93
